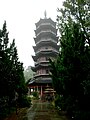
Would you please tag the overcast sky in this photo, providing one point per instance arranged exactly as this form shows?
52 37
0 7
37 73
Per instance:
21 16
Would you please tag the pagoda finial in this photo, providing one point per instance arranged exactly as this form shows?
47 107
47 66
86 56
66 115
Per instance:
45 14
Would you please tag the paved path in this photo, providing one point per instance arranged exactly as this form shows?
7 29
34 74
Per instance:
43 111
39 111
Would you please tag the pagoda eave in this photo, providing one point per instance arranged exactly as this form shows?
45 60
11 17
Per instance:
41 76
44 27
39 82
42 66
49 52
47 43
33 69
49 20
35 48
34 58
46 33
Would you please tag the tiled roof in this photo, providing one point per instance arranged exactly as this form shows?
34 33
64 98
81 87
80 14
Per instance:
41 81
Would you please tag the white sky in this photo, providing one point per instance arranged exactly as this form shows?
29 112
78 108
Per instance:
21 16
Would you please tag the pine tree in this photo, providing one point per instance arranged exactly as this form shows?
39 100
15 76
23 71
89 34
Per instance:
70 72
11 71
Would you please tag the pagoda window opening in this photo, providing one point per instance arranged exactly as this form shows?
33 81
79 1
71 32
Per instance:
46 47
47 71
47 58
41 59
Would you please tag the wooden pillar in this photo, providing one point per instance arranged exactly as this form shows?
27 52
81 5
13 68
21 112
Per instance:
34 88
41 91
37 88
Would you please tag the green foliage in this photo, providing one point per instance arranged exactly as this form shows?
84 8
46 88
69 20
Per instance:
71 70
11 71
24 101
28 73
3 107
35 95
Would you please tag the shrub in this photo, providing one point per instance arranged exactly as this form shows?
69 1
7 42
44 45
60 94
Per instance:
3 107
81 115
59 102
25 101
36 95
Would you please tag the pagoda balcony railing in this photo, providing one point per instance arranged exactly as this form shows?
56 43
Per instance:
42 74
44 31
46 50
42 61
46 40
45 24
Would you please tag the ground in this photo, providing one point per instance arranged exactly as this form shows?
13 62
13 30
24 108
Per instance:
38 111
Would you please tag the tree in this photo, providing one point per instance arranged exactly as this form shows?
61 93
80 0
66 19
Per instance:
28 73
70 72
4 59
11 72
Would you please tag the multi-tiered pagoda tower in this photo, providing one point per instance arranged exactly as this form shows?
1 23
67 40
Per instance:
46 47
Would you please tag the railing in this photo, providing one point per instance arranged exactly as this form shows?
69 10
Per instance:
42 61
43 74
42 40
45 24
46 50
44 31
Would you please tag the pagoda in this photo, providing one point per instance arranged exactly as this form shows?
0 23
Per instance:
45 48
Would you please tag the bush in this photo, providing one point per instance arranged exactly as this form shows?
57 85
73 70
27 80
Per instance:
59 102
35 95
6 107
3 107
25 101
71 107
81 115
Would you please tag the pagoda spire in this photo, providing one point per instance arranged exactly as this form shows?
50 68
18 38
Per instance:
45 14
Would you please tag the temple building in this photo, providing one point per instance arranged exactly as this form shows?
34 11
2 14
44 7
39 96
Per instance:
45 48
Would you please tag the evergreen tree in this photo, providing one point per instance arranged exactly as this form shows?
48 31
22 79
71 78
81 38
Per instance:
11 72
71 70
